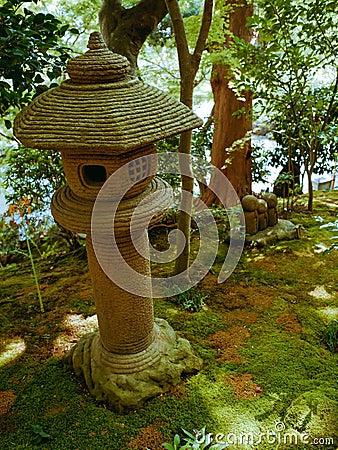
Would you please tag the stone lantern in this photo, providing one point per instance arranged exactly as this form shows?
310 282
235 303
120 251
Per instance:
100 120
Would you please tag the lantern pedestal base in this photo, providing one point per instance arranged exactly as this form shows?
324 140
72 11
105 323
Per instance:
127 381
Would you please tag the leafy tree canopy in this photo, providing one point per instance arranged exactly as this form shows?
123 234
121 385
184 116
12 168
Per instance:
82 15
158 57
32 58
32 55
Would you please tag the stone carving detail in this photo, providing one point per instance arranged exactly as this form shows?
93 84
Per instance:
117 115
250 207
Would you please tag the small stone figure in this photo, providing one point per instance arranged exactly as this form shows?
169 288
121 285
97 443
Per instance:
250 207
262 214
271 200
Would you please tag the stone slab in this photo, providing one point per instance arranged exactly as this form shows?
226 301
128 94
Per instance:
284 230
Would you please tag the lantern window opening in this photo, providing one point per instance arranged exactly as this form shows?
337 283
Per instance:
93 175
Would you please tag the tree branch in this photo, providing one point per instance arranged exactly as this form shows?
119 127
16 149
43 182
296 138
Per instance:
324 34
163 69
180 34
204 31
155 8
10 138
125 30
109 15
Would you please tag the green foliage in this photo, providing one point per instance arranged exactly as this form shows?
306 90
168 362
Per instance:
163 35
201 148
332 227
202 140
158 57
32 55
25 232
198 440
34 174
32 59
307 136
9 237
192 300
176 445
218 30
31 259
30 179
22 228
201 440
170 217
259 167
170 173
81 14
330 335
40 435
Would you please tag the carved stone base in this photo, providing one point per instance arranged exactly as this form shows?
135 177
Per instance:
127 381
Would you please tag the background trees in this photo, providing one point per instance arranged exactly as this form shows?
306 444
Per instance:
32 59
126 29
292 71
231 150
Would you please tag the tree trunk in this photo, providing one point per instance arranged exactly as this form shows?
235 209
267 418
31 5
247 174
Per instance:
230 126
184 217
310 188
187 182
188 64
126 29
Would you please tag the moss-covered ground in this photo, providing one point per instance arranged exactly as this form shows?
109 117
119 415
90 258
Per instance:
268 375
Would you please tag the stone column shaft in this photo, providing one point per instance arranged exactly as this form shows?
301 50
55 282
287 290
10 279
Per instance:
125 320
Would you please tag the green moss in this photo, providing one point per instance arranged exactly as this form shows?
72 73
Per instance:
287 360
284 363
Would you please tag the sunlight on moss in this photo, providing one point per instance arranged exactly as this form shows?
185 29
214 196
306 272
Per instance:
75 326
329 313
320 293
13 350
259 257
80 323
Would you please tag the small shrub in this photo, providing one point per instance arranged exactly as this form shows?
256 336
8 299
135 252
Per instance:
192 300
40 435
330 335
176 445
198 440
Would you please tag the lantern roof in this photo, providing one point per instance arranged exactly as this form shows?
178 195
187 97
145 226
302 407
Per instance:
101 108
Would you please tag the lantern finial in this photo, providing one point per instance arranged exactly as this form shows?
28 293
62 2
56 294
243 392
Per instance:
98 64
96 41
